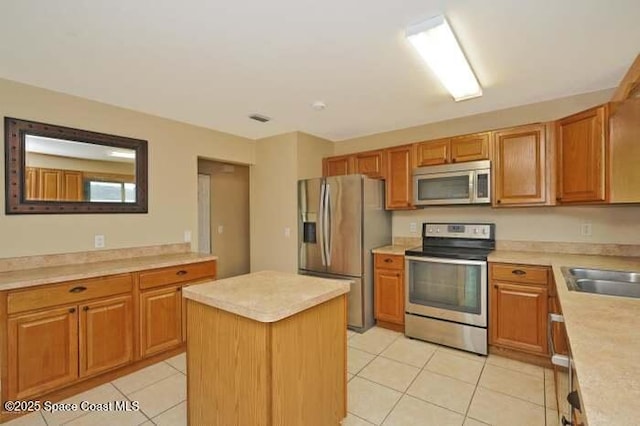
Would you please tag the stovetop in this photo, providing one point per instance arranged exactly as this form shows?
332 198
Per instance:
470 241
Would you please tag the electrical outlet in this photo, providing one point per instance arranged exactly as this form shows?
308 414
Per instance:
287 232
413 227
98 241
187 236
220 229
586 229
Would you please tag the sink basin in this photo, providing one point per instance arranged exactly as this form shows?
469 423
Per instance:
600 274
600 281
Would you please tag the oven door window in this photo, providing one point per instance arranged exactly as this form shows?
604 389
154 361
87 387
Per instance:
453 287
444 188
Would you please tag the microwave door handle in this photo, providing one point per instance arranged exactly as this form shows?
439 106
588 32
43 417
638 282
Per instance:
473 184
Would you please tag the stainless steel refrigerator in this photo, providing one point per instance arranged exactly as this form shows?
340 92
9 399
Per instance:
340 220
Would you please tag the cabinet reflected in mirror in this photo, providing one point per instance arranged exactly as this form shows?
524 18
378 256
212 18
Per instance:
62 170
53 169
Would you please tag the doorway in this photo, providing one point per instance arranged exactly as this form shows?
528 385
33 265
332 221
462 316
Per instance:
223 215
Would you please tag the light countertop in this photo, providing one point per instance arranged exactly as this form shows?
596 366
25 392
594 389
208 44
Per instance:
394 249
604 335
267 296
54 274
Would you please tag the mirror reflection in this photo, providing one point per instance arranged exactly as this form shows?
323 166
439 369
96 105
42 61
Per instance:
64 170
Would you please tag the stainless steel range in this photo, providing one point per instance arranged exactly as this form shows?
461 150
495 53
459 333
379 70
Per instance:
446 285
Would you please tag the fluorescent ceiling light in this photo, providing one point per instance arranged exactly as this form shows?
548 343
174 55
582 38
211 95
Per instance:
121 154
437 45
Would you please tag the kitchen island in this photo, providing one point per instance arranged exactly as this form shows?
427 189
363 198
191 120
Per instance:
267 348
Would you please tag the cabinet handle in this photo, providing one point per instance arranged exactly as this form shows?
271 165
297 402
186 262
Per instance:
518 272
86 308
72 310
499 201
388 260
178 289
453 160
78 289
181 272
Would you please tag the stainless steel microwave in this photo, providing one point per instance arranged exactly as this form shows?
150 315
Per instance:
462 183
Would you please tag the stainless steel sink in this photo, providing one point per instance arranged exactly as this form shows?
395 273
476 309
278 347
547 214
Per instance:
600 274
599 281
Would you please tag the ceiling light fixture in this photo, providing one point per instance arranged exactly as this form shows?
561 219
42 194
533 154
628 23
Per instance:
121 154
435 42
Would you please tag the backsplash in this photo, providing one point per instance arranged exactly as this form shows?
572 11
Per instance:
609 224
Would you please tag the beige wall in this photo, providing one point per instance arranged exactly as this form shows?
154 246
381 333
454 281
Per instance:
66 163
539 112
610 224
274 204
229 209
280 162
311 149
173 151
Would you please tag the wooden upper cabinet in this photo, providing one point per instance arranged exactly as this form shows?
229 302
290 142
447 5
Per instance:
72 189
31 183
470 147
338 166
453 150
42 351
519 165
582 144
432 153
399 184
49 184
370 163
106 335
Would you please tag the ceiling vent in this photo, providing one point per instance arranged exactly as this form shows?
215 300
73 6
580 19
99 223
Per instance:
260 118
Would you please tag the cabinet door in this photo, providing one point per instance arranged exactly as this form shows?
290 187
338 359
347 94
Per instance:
72 189
520 165
389 295
519 317
160 320
399 185
50 184
31 184
470 147
431 153
106 335
370 163
338 166
42 351
581 145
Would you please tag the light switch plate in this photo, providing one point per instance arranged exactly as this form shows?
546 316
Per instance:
287 232
187 236
413 227
98 241
586 230
220 229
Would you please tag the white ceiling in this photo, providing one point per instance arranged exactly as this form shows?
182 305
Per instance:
71 149
212 63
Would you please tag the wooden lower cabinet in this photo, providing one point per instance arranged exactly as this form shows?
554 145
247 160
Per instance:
518 316
389 290
42 351
106 335
160 319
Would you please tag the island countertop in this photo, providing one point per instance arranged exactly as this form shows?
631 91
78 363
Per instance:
267 296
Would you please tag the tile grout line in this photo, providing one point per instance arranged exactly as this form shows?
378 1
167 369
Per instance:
130 400
475 389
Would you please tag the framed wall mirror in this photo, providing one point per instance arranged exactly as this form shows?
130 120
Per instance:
56 170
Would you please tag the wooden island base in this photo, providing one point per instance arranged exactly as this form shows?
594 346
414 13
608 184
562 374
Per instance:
246 372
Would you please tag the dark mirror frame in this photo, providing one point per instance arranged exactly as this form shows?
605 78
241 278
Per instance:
14 155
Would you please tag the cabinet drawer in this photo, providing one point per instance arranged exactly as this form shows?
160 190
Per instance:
389 261
177 274
520 273
68 293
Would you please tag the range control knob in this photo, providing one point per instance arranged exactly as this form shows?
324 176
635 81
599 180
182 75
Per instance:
476 231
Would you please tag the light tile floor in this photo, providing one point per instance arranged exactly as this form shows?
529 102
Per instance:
393 380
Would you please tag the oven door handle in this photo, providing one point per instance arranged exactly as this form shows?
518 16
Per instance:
445 260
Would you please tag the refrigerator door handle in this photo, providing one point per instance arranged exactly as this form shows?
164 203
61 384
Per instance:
321 225
327 224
